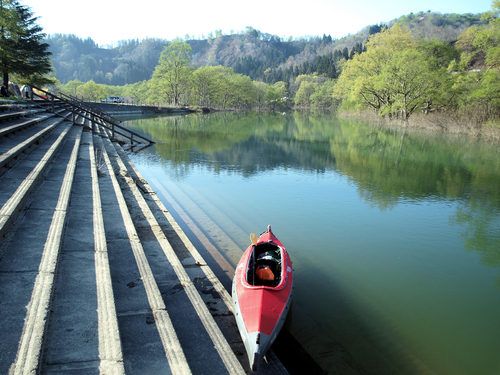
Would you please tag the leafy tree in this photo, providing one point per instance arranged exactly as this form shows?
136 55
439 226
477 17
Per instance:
71 87
243 91
477 74
274 97
322 96
91 91
137 91
393 77
303 95
261 90
171 76
22 51
483 39
409 83
440 53
206 85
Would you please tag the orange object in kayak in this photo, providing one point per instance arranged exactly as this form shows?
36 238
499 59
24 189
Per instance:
261 306
264 273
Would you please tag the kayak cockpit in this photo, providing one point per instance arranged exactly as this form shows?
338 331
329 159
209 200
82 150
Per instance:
265 265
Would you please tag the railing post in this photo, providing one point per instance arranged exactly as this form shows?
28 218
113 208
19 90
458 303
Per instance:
73 110
113 130
53 106
131 139
93 123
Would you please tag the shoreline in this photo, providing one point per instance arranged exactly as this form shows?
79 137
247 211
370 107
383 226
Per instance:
133 109
441 122
438 122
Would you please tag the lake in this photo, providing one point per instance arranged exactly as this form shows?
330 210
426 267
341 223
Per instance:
394 234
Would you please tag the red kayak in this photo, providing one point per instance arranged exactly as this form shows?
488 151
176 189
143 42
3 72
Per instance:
262 294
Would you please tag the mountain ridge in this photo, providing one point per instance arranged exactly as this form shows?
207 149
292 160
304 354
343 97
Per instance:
259 55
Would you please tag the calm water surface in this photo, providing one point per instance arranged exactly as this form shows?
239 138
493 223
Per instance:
394 235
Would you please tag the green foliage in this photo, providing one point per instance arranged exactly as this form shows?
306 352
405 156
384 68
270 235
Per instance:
402 72
137 91
274 96
477 71
22 50
392 70
91 91
71 87
323 95
171 77
395 77
303 96
206 86
440 53
241 91
261 92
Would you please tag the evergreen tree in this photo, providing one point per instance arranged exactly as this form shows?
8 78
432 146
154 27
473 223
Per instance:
374 29
22 51
345 53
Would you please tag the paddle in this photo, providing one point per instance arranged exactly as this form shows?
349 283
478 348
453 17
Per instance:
253 238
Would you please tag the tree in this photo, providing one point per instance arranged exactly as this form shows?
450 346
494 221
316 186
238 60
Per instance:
22 51
477 75
261 90
206 85
409 83
274 96
91 91
137 91
171 76
243 91
71 87
393 76
303 96
374 29
322 96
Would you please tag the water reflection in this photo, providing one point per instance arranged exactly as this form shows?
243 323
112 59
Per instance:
382 159
388 166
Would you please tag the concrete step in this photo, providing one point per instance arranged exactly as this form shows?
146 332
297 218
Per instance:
82 335
12 115
142 316
21 125
12 150
20 182
29 262
187 309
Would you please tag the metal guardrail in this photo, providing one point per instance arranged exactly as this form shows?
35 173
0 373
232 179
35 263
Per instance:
94 115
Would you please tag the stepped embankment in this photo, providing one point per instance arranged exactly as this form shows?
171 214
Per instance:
96 276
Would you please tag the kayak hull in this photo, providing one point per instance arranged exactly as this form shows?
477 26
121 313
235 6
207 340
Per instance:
261 307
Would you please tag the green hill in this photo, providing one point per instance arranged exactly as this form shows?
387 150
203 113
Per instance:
251 52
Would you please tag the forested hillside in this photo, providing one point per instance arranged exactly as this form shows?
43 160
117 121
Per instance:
251 52
78 59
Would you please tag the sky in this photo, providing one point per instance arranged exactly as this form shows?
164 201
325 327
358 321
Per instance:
107 22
